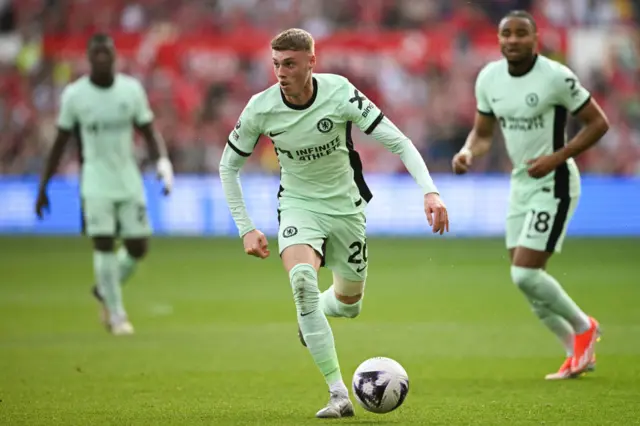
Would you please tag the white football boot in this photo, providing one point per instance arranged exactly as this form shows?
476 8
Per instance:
116 326
121 327
339 405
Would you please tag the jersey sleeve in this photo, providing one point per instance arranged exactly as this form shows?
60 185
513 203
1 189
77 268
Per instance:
483 106
143 114
360 110
244 137
569 92
66 115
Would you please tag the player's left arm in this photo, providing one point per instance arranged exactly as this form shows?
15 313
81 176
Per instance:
372 121
143 121
578 101
573 96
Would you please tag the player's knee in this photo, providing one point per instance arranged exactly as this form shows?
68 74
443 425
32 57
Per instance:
349 293
524 278
104 244
137 248
304 283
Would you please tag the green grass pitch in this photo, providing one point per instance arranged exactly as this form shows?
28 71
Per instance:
217 344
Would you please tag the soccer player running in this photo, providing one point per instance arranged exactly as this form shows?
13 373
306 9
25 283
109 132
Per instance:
529 96
102 109
322 196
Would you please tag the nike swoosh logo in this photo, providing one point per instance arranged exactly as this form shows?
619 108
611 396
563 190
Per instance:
535 236
362 268
274 134
306 313
495 99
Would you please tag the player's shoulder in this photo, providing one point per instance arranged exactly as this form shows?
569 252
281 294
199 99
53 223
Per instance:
334 85
265 100
128 81
329 79
76 86
491 70
551 67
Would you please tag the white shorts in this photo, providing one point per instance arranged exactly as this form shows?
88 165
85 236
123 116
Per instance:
539 220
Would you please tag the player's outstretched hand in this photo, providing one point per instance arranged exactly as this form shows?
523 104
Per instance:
165 174
542 166
436 212
461 162
256 244
42 204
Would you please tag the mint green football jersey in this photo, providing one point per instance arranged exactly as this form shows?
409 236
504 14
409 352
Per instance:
532 111
320 170
104 120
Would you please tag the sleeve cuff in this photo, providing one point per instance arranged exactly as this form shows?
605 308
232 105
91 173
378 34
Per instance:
237 150
581 106
488 114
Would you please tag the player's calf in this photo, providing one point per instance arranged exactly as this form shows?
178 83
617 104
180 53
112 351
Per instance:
305 289
537 284
128 256
107 289
133 251
556 324
314 327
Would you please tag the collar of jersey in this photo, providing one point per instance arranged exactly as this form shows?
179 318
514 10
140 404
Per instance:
309 102
533 64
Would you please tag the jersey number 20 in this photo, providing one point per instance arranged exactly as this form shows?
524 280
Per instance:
359 254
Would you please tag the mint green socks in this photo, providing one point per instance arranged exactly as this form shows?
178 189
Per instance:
314 325
106 269
332 307
551 304
558 325
538 285
126 263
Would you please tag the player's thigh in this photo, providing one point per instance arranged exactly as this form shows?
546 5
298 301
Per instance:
301 238
516 218
347 253
100 217
546 223
528 258
133 219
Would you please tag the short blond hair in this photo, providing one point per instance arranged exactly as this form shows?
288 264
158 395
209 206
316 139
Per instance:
293 39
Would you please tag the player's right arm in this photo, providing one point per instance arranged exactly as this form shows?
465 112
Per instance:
240 145
66 122
143 120
479 141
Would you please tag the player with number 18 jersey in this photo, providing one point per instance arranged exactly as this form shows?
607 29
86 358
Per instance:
529 97
532 111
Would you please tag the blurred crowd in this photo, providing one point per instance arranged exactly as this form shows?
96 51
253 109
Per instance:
201 60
